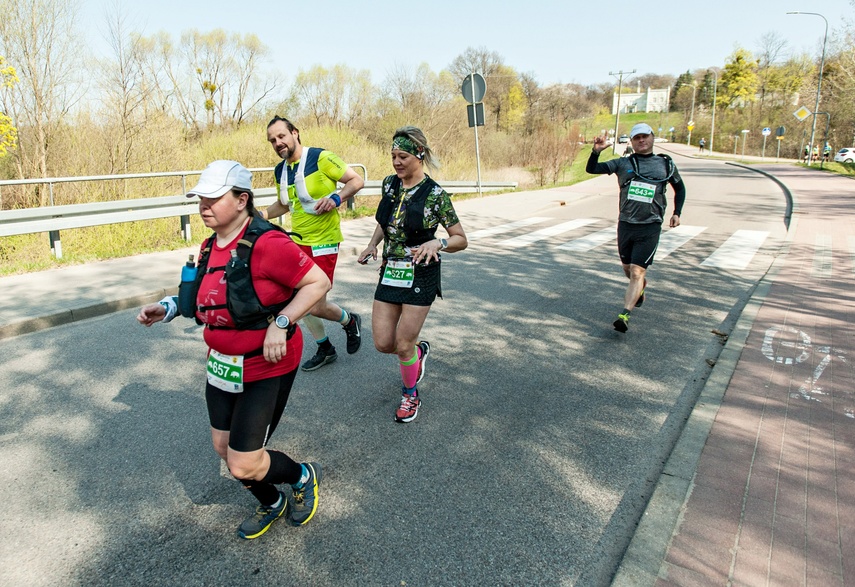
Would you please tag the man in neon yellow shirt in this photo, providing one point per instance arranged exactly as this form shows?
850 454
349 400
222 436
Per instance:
310 176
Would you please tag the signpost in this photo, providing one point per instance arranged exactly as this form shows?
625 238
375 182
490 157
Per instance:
473 89
779 134
690 126
765 132
744 138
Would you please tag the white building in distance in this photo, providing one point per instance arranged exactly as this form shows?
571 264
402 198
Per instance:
638 101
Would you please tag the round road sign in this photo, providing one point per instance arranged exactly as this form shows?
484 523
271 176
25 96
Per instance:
479 87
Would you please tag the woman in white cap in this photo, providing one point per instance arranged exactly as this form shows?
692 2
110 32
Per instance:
411 208
250 328
643 178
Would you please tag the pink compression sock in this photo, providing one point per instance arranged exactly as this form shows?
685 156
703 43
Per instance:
410 370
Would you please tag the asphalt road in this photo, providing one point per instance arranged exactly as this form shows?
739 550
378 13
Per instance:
541 432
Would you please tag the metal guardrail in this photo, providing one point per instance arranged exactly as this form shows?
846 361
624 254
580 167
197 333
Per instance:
52 219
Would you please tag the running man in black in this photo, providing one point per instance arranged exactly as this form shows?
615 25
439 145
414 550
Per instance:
643 178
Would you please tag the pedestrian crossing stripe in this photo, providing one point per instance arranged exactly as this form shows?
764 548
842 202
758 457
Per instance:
822 257
737 251
591 241
545 233
851 240
505 227
675 238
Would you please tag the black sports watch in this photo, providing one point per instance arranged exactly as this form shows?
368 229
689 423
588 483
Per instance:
282 321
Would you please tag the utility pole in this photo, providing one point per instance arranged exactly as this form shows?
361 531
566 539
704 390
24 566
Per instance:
692 115
620 75
818 87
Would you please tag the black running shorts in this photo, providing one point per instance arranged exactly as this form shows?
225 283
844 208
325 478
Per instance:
250 417
637 243
426 287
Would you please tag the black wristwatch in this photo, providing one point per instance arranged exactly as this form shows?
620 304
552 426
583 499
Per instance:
283 321
443 244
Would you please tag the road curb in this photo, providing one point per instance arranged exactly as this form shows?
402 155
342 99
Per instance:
644 558
30 325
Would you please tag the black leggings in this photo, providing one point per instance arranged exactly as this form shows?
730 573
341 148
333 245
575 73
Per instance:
250 417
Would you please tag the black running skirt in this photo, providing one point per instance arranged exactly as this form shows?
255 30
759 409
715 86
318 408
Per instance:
426 287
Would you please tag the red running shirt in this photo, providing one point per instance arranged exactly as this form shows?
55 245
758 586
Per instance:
277 265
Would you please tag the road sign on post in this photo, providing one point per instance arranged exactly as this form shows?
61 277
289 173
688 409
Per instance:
473 89
475 112
802 113
765 132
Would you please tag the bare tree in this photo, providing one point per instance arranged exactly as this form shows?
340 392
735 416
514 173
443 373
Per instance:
771 49
38 38
124 91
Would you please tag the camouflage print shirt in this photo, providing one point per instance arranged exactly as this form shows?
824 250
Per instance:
438 210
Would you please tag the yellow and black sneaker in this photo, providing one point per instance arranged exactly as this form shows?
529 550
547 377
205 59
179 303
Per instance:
641 296
622 323
304 501
264 516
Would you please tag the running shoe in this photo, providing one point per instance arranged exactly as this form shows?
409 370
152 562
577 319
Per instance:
409 408
354 333
304 501
641 296
425 346
622 323
320 359
264 516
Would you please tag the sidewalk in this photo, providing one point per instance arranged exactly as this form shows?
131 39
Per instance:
760 489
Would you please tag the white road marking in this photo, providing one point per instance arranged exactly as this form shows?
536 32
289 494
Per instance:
822 257
673 239
737 251
586 243
545 233
505 227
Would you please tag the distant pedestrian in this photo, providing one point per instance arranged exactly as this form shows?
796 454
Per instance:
643 178
701 144
412 206
826 152
253 339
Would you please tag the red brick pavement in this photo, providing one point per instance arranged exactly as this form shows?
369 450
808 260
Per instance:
773 498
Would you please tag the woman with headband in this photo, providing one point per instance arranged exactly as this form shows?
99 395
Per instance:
411 208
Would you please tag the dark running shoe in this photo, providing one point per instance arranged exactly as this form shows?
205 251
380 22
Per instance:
425 346
409 408
320 359
264 516
641 296
304 501
354 333
622 323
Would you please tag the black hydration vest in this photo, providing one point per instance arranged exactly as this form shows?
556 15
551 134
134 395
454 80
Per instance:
245 309
669 171
414 223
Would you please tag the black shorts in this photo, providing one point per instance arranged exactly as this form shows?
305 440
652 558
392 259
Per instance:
426 287
637 243
250 417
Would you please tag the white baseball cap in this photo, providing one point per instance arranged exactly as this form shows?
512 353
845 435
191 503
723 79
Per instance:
219 177
642 128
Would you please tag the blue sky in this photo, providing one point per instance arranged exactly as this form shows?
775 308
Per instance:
558 41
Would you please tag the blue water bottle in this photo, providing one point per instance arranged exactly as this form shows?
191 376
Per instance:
186 303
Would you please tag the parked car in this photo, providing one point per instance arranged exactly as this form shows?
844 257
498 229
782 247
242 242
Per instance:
845 155
624 138
660 140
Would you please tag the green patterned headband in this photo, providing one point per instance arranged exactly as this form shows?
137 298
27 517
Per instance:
406 144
